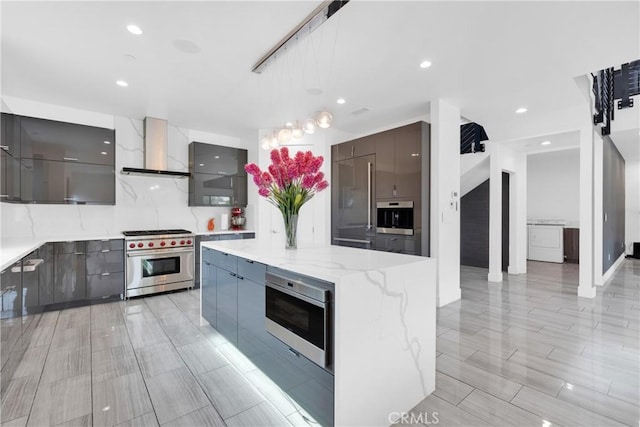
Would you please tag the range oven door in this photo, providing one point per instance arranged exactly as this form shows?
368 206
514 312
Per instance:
151 268
298 320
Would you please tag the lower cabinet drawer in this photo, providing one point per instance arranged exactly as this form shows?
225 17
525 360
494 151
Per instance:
251 270
105 285
105 262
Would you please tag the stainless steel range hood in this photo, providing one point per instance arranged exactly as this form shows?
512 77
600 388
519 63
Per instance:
155 151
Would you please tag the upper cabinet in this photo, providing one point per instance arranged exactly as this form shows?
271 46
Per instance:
217 175
46 161
398 163
59 141
356 148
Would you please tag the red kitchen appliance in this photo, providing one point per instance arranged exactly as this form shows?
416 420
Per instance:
237 218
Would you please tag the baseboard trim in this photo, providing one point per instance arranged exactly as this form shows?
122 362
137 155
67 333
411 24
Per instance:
495 277
609 273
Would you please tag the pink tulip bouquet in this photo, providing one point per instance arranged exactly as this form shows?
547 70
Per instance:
289 183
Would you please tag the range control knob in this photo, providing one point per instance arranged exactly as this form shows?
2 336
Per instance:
150 244
173 243
140 245
132 245
182 242
162 243
188 242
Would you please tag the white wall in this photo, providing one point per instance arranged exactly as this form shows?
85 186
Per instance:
632 201
142 202
553 186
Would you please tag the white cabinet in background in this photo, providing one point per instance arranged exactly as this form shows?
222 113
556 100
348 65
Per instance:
546 243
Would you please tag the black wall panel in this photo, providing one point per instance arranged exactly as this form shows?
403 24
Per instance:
613 200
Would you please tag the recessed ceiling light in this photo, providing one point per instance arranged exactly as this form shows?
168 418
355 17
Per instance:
107 142
341 101
425 64
545 143
134 29
104 153
521 110
216 157
122 83
201 164
288 124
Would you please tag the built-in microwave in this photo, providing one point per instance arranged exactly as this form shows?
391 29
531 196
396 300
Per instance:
394 218
298 314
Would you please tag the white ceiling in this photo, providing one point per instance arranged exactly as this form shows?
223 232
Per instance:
489 58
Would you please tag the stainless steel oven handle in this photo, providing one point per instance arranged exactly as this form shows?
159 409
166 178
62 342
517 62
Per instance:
158 253
296 295
344 239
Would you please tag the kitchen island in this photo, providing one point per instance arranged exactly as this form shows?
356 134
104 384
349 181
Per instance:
383 328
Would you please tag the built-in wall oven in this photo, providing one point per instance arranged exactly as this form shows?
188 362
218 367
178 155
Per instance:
158 261
299 315
394 218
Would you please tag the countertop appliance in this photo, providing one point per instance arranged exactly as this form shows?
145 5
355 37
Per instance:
394 218
298 314
158 261
352 202
237 219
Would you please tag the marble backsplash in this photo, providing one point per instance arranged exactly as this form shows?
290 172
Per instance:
142 202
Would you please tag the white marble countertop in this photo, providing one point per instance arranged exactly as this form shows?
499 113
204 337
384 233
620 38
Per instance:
215 232
12 249
330 263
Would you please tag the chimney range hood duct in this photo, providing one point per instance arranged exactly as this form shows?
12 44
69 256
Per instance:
155 151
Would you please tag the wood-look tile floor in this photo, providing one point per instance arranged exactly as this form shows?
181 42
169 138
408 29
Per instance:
527 352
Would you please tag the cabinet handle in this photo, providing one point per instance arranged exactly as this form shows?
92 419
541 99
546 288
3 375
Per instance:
105 274
369 225
73 159
78 253
106 250
5 147
70 198
233 274
353 150
249 261
224 254
240 277
4 195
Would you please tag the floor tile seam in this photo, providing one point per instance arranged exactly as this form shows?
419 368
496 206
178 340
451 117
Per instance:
579 403
518 382
142 376
483 389
42 369
608 368
564 380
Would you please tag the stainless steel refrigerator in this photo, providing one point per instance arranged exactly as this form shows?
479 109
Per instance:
353 202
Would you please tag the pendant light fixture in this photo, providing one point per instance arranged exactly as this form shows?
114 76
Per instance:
284 135
296 131
309 126
324 119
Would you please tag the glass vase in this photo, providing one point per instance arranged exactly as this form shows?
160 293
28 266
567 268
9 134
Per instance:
291 230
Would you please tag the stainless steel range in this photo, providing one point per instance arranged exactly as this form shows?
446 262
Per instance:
158 261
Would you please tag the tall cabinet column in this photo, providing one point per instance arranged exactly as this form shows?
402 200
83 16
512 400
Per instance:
445 199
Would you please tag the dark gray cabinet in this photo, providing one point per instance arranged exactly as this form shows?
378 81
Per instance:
45 275
217 175
9 158
46 161
400 244
209 292
212 237
105 268
47 181
398 168
237 299
356 148
227 304
11 345
60 141
70 278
